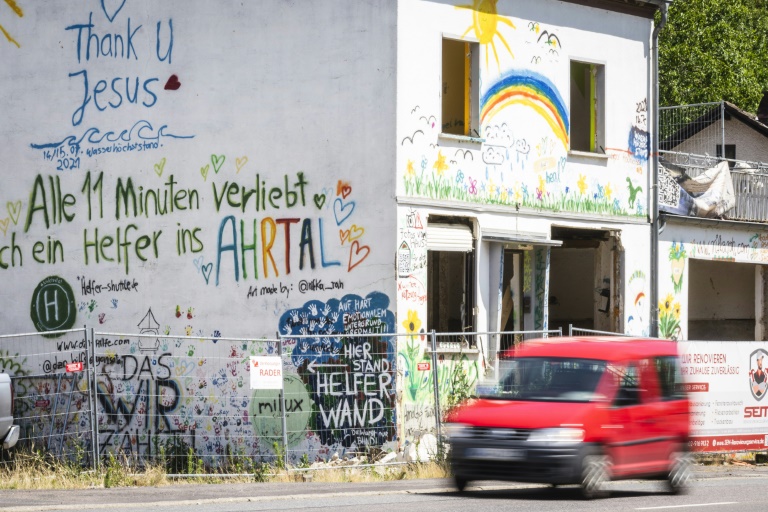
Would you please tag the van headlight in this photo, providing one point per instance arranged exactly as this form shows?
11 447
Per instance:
557 436
456 431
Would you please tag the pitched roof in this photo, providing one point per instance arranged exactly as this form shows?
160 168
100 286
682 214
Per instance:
710 117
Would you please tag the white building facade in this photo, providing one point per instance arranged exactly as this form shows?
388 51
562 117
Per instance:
246 170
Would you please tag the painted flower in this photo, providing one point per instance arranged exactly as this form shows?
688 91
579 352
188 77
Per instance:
412 323
582 183
542 184
518 194
410 171
608 191
665 307
440 166
677 310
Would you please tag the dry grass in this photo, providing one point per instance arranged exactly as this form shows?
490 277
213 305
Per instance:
36 471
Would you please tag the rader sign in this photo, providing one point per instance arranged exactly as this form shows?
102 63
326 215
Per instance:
74 367
266 372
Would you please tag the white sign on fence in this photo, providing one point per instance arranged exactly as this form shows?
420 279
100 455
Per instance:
266 372
726 382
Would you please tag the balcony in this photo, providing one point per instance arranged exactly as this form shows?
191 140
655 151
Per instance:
696 138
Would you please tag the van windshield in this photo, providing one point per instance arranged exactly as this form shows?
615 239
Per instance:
545 379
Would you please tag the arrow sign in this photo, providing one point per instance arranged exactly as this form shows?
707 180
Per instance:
312 365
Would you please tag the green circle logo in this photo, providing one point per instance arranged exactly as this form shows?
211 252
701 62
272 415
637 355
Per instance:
53 306
266 415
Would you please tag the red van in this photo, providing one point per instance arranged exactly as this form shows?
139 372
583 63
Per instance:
577 411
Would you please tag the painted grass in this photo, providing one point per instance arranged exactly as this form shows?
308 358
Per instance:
432 186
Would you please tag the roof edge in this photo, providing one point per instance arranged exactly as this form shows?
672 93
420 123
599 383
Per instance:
641 8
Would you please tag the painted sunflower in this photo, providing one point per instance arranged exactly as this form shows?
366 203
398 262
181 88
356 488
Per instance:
412 323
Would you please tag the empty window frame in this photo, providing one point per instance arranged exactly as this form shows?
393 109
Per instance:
730 153
587 107
460 92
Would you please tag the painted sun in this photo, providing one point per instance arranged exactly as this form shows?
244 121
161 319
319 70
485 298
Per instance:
16 10
485 24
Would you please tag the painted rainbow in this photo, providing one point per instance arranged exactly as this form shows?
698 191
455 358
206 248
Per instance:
531 90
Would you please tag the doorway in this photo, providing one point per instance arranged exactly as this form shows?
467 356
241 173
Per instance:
584 288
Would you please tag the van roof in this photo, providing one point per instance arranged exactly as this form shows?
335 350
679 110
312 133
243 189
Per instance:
606 348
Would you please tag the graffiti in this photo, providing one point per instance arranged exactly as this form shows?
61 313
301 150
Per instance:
677 257
641 114
354 407
638 304
92 287
638 144
266 413
53 305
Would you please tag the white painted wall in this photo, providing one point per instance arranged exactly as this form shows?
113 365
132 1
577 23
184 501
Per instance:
718 243
297 97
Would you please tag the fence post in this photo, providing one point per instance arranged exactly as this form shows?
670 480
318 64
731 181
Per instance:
282 401
92 385
570 330
438 419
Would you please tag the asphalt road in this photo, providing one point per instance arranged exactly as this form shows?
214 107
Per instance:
717 488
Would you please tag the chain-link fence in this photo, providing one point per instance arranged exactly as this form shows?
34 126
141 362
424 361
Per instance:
196 404
185 402
53 392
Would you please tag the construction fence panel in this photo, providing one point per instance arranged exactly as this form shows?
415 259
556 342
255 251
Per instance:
579 331
52 380
339 395
185 402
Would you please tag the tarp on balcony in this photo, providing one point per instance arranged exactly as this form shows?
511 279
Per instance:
708 195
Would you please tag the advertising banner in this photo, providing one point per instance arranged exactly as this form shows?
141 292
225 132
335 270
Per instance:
727 384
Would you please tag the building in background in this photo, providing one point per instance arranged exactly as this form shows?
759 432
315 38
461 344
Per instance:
714 243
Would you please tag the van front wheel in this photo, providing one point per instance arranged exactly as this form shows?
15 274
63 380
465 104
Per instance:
595 474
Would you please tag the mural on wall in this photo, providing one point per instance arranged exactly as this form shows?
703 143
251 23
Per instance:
131 209
704 244
637 318
486 23
670 325
523 160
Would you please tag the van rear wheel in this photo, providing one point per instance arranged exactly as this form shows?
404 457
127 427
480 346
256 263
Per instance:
680 471
461 483
595 474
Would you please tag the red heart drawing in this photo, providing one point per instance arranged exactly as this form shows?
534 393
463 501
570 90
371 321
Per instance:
357 252
173 83
343 189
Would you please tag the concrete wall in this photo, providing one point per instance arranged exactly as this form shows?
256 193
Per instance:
721 300
263 130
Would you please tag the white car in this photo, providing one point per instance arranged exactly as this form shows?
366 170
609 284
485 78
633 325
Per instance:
9 433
